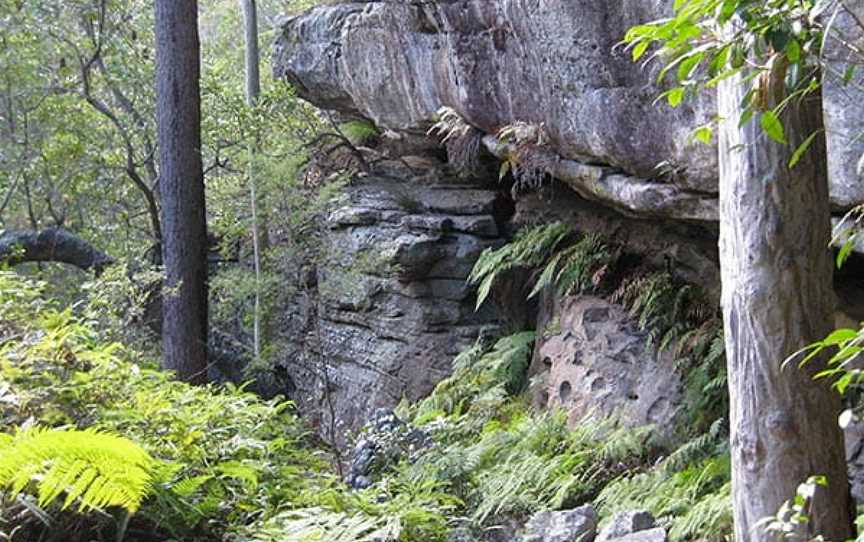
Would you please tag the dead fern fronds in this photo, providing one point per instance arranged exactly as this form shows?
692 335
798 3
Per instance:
462 141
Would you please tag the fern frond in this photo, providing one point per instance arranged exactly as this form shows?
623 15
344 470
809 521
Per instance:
529 249
93 469
708 519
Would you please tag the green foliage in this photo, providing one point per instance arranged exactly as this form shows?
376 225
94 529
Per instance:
93 469
577 268
664 307
675 315
359 132
693 503
501 460
793 518
783 36
397 512
481 382
231 466
847 234
231 457
120 305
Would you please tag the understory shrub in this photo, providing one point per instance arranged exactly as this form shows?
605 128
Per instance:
226 456
158 459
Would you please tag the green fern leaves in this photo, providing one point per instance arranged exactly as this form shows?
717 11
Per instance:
577 268
94 470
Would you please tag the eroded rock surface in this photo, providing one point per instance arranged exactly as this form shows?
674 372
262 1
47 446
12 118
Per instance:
598 363
387 307
626 523
577 525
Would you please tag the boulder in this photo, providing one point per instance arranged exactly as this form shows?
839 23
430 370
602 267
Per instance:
657 534
577 525
626 523
599 363
383 442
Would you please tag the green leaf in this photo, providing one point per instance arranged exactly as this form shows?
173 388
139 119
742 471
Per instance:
745 117
845 251
727 10
802 148
839 336
772 126
778 39
688 65
640 49
793 51
849 74
703 134
675 96
843 383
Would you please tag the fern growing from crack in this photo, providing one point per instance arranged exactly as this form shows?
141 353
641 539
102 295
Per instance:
462 141
578 268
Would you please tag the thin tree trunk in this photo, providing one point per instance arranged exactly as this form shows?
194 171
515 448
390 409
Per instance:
184 226
777 297
253 76
253 91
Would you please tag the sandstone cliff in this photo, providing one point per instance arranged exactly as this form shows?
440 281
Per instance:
624 165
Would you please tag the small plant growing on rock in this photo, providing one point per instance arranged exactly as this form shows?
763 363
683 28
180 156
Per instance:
462 141
527 156
578 268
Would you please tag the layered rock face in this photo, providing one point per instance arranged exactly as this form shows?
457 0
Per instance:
387 308
549 62
390 307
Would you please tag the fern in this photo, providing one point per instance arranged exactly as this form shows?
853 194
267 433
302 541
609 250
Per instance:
708 519
481 381
322 525
528 157
712 442
692 503
462 141
94 469
576 268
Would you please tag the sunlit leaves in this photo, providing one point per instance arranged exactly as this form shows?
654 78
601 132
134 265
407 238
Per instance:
700 46
704 134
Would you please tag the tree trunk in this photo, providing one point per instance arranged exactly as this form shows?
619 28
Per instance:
181 185
777 297
253 76
253 91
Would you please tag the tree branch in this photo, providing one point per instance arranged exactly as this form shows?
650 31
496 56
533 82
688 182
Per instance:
51 245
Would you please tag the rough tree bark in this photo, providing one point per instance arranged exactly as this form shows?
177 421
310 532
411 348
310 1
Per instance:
777 297
51 245
181 185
